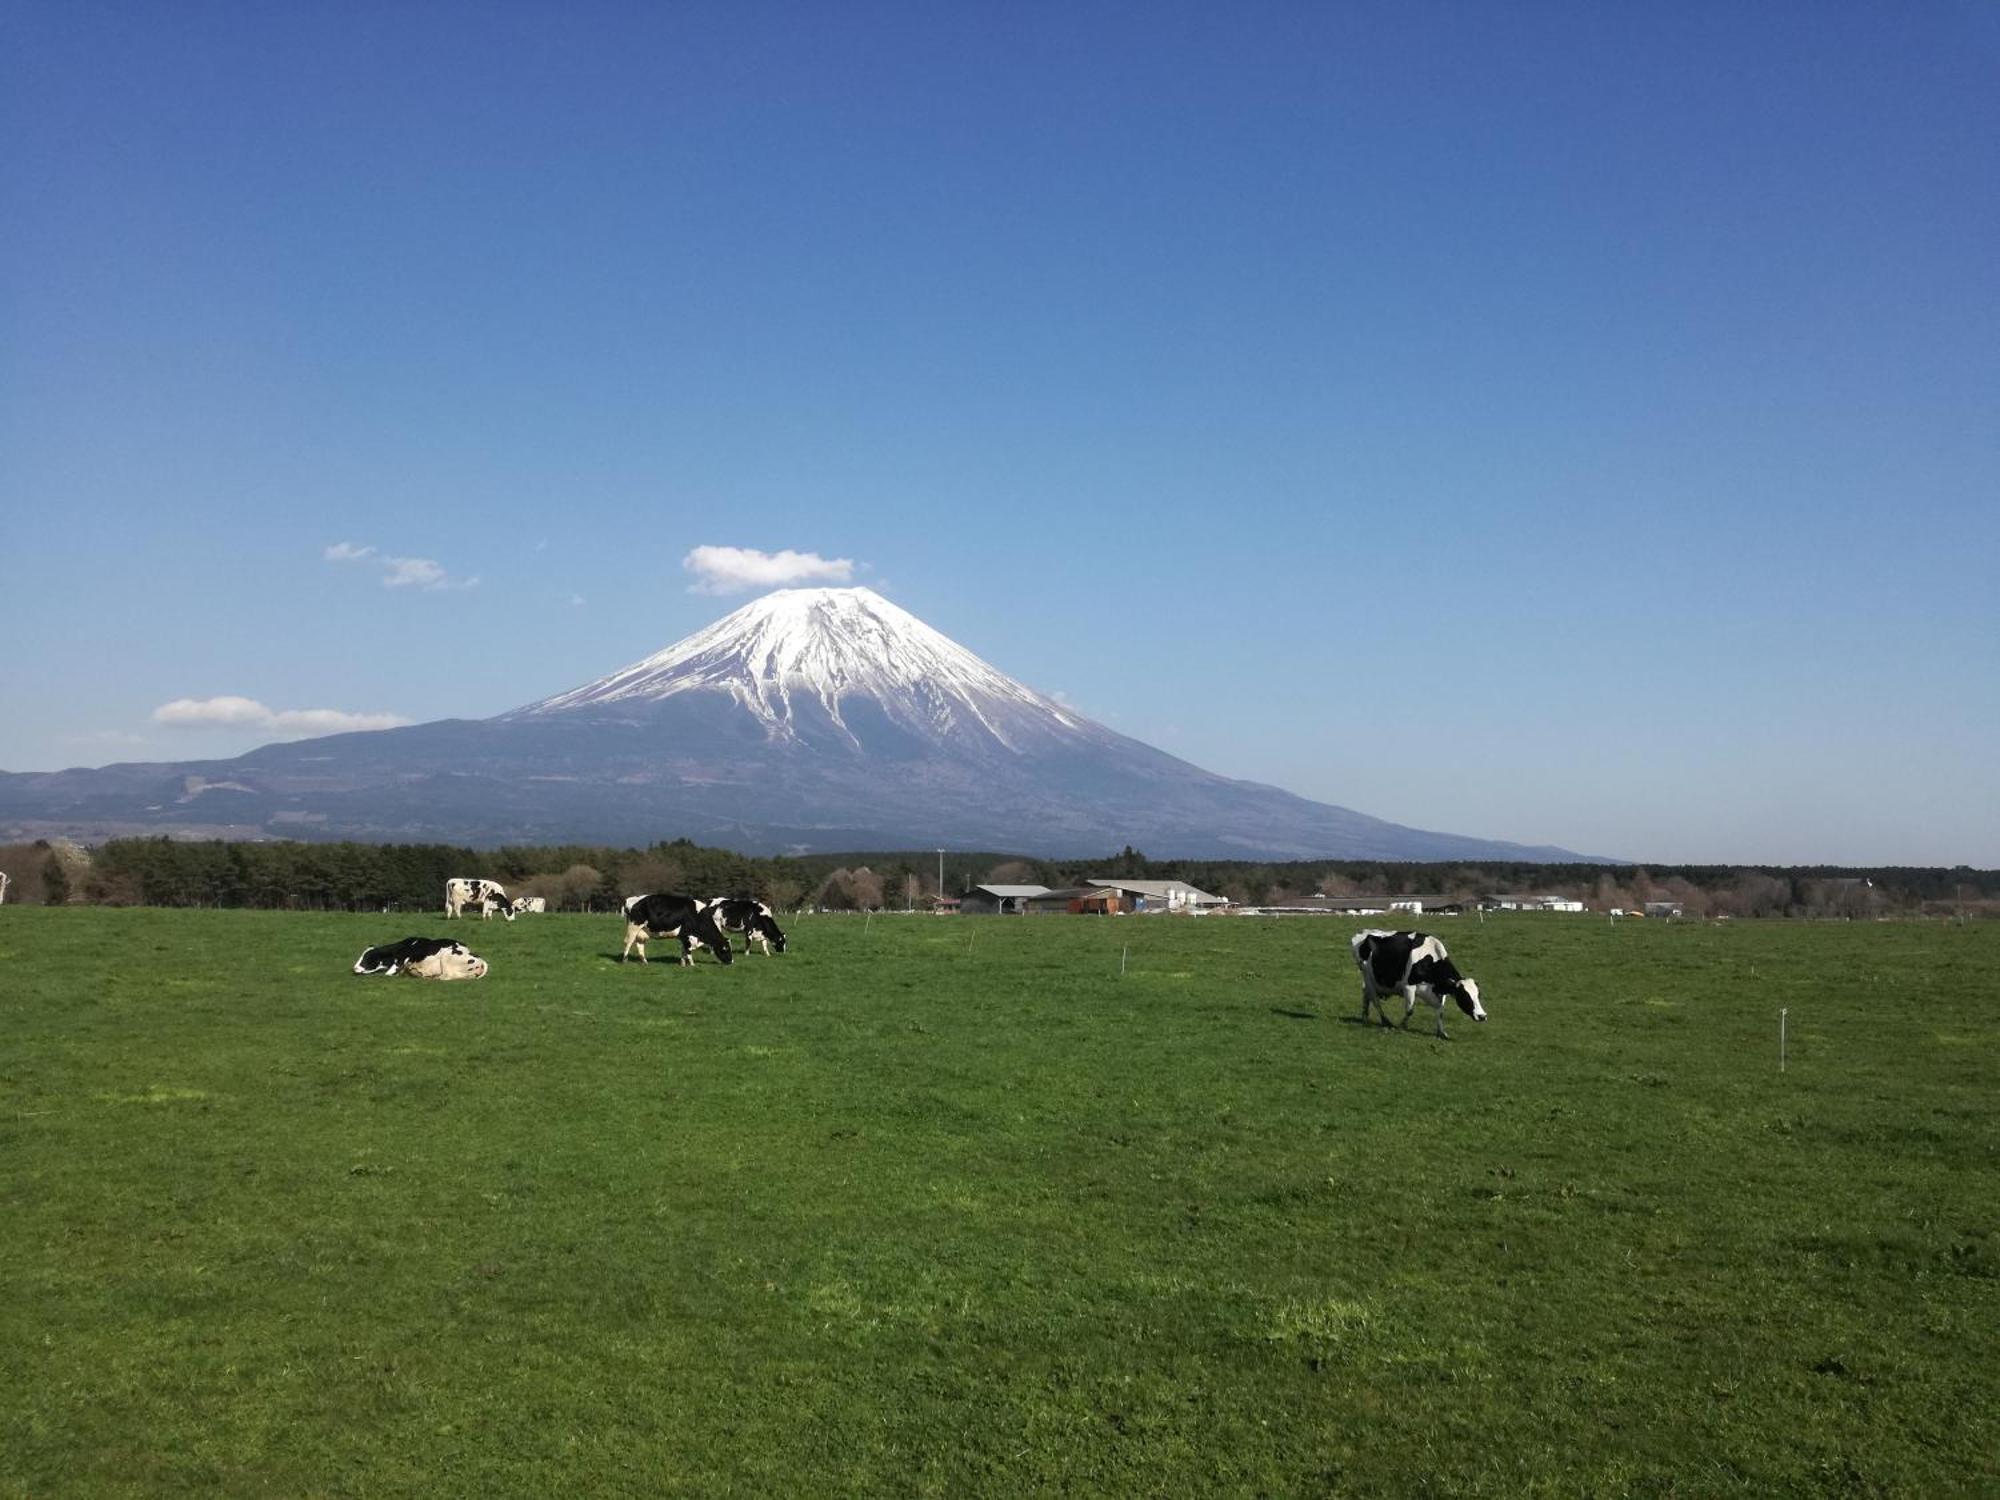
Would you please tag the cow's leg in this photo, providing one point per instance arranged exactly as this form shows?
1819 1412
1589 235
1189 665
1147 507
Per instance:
1381 1009
1409 1005
1367 998
635 937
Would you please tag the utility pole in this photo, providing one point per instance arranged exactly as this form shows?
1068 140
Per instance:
940 879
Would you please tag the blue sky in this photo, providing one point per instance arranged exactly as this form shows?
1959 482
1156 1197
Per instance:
1568 423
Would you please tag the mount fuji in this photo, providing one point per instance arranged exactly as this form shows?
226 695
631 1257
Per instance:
822 719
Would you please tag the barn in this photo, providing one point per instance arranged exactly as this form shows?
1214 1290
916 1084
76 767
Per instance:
1078 900
1161 895
999 900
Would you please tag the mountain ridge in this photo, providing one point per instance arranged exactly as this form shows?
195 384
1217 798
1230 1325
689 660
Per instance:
808 718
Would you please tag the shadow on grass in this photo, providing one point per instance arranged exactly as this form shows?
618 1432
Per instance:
635 962
1295 1015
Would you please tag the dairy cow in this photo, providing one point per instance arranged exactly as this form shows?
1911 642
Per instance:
1416 966
488 895
530 903
664 915
422 958
751 918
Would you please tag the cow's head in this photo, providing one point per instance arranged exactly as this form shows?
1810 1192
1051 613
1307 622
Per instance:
1466 993
463 966
767 929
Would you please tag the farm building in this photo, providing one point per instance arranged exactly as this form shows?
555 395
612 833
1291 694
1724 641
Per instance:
1078 900
1663 909
1335 906
1161 895
1365 906
1530 903
999 900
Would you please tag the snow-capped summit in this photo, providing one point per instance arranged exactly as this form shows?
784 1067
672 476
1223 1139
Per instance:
805 657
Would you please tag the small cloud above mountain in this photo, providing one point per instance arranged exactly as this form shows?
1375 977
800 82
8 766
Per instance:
737 570
229 712
423 573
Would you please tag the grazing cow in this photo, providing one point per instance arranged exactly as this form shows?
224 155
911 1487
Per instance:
487 895
422 958
1415 965
751 918
672 916
530 903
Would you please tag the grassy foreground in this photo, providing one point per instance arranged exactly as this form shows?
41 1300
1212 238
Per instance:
948 1207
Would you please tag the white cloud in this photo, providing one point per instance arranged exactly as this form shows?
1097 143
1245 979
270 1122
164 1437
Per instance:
305 721
734 570
207 713
229 712
400 572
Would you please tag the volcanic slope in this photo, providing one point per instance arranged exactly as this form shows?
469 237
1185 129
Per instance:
809 718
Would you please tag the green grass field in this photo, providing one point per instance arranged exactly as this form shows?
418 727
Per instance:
948 1207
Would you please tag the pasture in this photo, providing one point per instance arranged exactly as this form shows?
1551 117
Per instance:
948 1207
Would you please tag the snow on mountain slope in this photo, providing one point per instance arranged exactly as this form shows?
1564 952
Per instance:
822 647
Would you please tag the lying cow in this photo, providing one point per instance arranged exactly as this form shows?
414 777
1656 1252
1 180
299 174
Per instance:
672 916
1416 966
751 918
530 903
422 958
488 895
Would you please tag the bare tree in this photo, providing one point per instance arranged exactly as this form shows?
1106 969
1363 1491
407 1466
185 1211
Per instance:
1758 895
866 886
836 891
652 872
576 885
1694 900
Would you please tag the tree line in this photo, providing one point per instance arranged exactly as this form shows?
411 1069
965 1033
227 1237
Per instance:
584 877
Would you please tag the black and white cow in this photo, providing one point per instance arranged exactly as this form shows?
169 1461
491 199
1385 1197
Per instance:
751 918
1414 965
526 904
422 958
665 915
488 895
